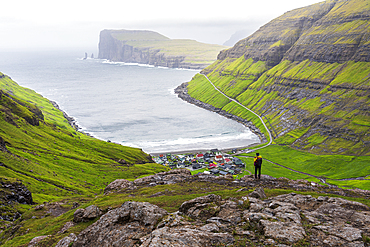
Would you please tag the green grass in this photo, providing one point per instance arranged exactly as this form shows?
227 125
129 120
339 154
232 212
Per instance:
328 166
201 89
273 170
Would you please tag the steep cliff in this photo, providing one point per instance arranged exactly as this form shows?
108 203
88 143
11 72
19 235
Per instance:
147 47
307 73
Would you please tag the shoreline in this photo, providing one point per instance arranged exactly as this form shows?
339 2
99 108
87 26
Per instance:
194 151
70 120
182 93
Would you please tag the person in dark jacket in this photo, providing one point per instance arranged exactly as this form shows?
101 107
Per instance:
257 166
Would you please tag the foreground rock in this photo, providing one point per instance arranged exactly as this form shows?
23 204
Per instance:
123 226
119 185
285 220
87 214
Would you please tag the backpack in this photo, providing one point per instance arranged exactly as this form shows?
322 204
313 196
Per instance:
258 161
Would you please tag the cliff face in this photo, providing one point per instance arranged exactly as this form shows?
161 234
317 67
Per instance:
148 47
307 73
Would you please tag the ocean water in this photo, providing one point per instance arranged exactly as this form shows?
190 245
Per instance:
130 104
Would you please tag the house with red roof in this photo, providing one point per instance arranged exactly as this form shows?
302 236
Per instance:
219 158
212 165
200 156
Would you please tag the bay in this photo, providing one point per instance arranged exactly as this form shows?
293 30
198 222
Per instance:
130 104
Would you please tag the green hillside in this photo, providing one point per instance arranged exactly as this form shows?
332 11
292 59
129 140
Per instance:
40 149
307 73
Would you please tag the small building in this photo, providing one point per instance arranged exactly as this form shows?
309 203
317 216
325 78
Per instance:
238 162
196 166
215 171
223 173
218 158
211 166
228 161
200 156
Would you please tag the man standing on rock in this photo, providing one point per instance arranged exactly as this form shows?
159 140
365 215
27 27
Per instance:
257 166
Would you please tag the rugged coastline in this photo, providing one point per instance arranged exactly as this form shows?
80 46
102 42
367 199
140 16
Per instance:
70 119
182 93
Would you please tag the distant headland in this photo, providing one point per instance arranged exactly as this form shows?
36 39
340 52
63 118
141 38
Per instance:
148 47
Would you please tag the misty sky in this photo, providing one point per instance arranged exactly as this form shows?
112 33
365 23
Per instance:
45 24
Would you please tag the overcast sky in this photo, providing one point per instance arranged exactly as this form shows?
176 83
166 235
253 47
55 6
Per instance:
46 24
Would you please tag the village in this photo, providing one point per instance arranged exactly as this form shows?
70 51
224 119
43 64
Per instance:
211 162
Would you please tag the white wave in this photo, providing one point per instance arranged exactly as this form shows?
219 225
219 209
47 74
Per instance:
198 70
201 142
142 65
172 91
145 65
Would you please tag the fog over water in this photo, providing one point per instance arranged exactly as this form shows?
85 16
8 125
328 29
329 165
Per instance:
129 104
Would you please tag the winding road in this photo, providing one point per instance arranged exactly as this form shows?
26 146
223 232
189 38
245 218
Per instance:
322 179
237 102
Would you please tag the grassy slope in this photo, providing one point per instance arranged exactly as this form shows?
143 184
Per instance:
259 86
67 162
193 51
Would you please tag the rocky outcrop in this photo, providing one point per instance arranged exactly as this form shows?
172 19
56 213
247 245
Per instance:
183 177
35 241
67 241
119 185
210 220
123 226
12 192
87 214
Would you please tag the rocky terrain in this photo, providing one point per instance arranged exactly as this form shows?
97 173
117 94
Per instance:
12 192
291 219
147 47
307 73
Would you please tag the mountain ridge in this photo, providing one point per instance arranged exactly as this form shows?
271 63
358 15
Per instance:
310 62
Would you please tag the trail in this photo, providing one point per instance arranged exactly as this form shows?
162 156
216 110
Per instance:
237 102
322 179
